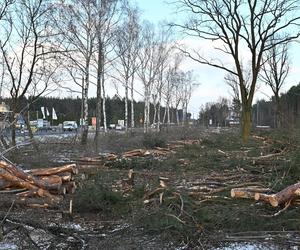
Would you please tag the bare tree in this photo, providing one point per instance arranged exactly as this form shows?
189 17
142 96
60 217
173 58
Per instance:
108 15
26 49
165 49
274 73
4 5
76 24
170 88
127 48
235 26
149 59
188 86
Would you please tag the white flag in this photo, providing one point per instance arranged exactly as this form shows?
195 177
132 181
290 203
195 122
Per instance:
54 116
47 112
43 112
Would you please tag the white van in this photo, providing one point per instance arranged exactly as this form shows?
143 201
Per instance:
70 126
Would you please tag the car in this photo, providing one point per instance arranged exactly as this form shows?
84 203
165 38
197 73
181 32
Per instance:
70 126
119 127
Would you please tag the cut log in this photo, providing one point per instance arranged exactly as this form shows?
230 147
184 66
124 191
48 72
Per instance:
166 150
31 193
248 192
71 168
66 177
4 183
51 180
285 195
89 160
242 193
262 197
45 205
133 153
111 157
17 181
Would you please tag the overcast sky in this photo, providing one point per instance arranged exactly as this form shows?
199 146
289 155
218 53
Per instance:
211 80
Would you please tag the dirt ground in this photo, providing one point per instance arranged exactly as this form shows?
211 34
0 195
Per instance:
194 210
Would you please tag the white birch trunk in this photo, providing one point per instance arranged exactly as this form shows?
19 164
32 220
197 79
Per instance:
126 106
85 105
155 112
132 103
104 104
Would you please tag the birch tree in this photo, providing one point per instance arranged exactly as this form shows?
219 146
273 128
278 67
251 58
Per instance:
76 24
235 27
170 87
149 66
127 49
107 18
165 49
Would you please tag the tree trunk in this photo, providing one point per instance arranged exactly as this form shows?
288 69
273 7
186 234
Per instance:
145 116
146 113
165 114
13 134
277 111
246 122
85 125
132 103
31 136
168 115
158 112
184 114
100 72
104 104
155 113
126 106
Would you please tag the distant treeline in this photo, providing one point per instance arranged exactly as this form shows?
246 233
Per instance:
69 109
263 112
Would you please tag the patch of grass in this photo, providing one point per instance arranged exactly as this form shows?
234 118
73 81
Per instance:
152 140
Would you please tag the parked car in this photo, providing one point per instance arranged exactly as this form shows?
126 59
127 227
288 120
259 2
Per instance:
120 127
70 126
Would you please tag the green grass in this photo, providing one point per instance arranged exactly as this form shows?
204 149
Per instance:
216 216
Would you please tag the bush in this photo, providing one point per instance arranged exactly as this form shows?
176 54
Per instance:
95 197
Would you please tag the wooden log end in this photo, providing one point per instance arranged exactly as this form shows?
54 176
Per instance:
273 201
232 193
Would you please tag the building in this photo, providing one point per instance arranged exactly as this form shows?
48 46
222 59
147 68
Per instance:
4 115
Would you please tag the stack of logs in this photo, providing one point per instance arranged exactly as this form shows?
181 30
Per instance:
40 187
